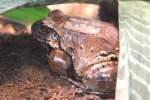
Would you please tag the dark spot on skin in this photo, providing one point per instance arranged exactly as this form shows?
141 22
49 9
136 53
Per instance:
98 59
103 54
92 64
81 48
103 66
114 58
92 50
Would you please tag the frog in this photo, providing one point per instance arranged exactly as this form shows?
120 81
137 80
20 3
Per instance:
92 46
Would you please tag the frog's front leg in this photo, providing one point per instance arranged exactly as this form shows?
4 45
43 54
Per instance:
60 62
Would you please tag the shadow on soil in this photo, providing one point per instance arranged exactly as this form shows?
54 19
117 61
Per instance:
18 56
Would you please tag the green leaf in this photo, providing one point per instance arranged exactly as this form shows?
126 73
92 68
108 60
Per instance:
31 14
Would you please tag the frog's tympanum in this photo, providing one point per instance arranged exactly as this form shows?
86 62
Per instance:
92 46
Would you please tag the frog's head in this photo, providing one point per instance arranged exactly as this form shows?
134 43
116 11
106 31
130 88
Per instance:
48 30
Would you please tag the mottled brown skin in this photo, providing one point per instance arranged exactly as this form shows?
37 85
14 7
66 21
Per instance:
92 45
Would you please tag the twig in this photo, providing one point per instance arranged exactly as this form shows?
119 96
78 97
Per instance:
74 82
85 89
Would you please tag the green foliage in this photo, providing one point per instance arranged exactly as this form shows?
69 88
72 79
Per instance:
31 14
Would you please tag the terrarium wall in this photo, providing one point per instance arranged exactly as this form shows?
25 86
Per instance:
134 66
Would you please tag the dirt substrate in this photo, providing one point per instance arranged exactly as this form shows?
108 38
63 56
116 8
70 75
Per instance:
25 74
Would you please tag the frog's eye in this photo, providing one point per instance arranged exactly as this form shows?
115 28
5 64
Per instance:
54 35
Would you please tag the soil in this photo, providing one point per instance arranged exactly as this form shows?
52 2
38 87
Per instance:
26 75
